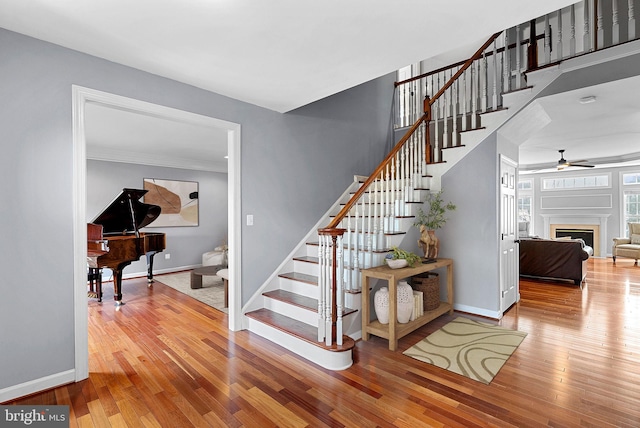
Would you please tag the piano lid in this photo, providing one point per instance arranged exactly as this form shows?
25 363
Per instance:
126 213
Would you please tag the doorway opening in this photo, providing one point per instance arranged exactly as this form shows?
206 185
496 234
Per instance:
83 97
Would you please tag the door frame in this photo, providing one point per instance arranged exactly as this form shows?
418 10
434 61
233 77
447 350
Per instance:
80 97
505 273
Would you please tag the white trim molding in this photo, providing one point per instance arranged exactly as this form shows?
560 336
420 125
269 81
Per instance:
80 97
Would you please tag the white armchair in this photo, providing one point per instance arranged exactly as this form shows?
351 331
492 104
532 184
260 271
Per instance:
216 257
628 247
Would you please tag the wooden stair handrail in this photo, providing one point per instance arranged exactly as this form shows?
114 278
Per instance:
523 42
425 117
462 69
356 196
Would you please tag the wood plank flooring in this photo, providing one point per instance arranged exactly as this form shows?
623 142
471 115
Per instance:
166 360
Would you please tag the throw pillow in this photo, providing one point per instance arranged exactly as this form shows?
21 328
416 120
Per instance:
635 239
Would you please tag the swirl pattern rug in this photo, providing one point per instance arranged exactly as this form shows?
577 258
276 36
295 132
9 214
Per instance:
470 348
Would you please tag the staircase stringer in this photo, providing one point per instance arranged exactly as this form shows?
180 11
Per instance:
272 282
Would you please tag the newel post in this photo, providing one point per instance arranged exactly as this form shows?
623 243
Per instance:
428 150
330 301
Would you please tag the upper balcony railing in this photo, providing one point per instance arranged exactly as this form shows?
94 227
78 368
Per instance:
571 31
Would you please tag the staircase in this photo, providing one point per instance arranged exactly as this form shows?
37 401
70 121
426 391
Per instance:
311 303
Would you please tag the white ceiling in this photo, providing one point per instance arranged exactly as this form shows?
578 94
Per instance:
604 132
284 54
277 54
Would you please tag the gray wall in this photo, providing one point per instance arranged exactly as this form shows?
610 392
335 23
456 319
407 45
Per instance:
185 244
294 166
470 237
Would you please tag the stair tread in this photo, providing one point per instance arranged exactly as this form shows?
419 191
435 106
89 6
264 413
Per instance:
302 277
308 259
383 250
298 329
299 300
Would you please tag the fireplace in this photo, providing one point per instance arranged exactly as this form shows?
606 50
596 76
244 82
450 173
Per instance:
585 234
590 233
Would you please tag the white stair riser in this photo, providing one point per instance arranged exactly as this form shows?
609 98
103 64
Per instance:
304 315
305 267
324 358
298 287
301 314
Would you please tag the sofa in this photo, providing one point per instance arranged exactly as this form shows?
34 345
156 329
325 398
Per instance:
554 258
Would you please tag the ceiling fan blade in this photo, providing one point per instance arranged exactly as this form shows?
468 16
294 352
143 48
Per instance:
581 165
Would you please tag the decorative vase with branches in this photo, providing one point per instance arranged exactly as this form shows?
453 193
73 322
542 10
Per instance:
431 219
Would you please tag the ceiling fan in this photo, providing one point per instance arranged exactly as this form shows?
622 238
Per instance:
563 163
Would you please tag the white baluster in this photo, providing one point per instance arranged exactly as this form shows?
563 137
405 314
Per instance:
518 70
615 38
474 95
420 154
506 80
463 107
454 111
586 35
347 256
445 113
632 20
354 251
494 94
387 219
396 185
362 240
370 228
572 31
485 75
559 43
599 26
413 167
547 40
322 285
376 204
339 292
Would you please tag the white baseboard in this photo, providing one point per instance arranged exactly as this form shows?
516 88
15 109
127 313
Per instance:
478 311
37 385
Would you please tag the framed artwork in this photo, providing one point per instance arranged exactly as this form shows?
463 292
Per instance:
177 199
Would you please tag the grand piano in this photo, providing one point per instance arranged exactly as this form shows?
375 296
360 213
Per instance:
120 241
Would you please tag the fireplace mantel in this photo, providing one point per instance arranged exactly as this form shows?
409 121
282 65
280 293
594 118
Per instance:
552 221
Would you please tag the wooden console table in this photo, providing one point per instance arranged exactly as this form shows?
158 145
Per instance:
394 330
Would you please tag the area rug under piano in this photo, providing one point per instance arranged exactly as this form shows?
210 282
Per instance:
211 293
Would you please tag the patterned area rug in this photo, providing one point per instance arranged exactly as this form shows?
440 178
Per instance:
211 293
470 348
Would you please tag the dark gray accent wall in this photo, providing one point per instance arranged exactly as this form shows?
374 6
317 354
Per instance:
294 166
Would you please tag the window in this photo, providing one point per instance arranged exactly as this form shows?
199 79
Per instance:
525 202
585 182
630 200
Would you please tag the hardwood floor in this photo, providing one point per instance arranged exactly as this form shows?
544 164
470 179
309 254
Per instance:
166 360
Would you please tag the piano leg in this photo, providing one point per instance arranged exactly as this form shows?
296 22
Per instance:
117 287
150 255
95 283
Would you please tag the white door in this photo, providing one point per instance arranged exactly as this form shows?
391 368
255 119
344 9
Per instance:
509 254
